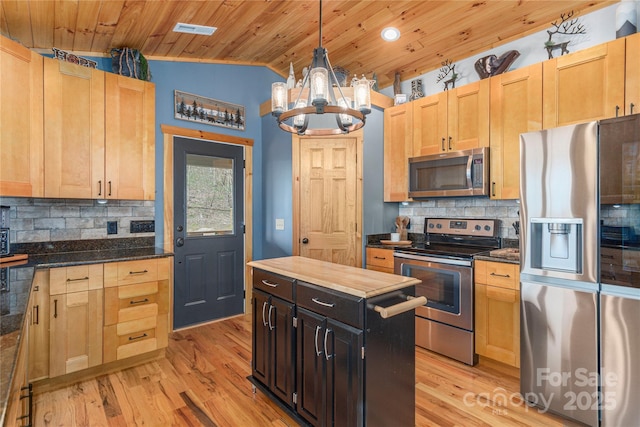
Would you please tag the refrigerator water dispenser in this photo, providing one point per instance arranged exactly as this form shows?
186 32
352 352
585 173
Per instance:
556 244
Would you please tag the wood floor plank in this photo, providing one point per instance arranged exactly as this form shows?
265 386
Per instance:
202 382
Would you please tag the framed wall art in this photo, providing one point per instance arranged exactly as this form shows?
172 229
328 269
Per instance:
200 109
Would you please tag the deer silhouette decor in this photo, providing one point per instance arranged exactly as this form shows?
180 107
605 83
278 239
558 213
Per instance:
448 69
567 25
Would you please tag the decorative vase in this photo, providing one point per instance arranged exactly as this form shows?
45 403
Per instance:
626 18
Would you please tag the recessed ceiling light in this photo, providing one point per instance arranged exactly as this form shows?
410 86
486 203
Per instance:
201 30
390 34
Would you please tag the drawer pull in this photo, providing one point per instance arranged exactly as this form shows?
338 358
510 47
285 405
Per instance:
606 256
410 304
37 315
271 327
326 351
138 337
79 279
139 272
324 304
142 301
264 306
315 340
266 282
500 275
379 257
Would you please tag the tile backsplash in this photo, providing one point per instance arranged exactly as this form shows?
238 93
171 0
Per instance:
463 207
45 220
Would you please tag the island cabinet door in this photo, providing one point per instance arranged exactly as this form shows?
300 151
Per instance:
311 367
260 361
344 373
283 367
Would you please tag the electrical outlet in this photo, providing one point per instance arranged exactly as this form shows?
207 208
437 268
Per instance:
147 226
112 227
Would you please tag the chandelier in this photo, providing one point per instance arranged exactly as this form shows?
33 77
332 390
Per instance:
320 84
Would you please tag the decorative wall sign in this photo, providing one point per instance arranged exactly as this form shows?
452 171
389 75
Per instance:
200 109
70 57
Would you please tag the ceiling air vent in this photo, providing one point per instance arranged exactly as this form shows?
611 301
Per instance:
201 30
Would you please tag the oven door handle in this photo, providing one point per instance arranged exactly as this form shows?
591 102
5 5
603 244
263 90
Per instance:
410 304
427 258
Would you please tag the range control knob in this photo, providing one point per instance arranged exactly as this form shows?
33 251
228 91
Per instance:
478 228
430 225
439 226
487 228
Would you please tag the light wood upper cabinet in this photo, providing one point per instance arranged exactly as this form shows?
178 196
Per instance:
129 138
74 130
516 107
397 150
456 119
585 85
99 134
21 143
632 75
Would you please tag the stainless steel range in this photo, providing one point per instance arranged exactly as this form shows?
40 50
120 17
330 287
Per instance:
444 264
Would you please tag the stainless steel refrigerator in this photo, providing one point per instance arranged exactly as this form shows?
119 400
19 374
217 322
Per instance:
620 271
559 271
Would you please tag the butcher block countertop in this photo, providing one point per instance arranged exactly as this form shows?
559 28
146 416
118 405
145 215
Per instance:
350 280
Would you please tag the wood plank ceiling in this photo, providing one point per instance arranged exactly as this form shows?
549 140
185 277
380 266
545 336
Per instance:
274 33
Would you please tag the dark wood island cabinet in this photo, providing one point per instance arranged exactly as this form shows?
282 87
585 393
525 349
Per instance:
334 345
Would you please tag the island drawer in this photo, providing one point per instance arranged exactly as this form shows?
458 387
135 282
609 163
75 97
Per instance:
342 307
273 284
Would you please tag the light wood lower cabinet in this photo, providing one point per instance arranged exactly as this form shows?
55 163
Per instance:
497 311
136 307
39 327
380 259
75 318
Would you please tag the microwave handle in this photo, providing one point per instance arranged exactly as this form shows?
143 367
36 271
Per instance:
469 171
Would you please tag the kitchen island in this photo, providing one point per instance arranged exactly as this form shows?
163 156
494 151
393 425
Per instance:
332 344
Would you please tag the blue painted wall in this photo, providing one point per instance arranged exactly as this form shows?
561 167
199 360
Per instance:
272 167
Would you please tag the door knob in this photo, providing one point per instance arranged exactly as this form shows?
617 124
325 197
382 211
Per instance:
305 241
179 241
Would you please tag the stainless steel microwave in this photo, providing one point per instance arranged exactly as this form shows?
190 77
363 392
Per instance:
456 173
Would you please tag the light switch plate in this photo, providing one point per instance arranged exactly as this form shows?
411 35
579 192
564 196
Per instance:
279 224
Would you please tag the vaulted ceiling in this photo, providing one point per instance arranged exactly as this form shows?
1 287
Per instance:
274 32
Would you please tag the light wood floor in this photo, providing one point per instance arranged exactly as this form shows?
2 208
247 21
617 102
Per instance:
202 382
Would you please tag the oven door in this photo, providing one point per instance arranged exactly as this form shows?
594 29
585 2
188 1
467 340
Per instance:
447 287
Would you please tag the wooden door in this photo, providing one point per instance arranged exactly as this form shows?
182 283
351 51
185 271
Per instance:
21 163
583 86
516 107
129 138
632 74
430 125
75 323
398 147
468 116
73 131
330 198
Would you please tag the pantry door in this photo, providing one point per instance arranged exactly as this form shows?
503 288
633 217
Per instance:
208 231
328 198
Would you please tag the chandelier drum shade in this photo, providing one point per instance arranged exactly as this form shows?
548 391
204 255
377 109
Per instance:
323 96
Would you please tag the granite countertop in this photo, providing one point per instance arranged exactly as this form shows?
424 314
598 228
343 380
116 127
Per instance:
17 278
350 280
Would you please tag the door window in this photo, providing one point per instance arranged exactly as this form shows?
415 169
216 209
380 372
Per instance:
209 196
